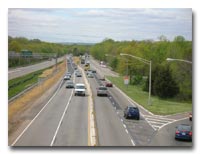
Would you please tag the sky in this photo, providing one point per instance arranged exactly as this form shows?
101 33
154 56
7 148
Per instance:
94 25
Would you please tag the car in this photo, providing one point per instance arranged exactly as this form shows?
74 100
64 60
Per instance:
190 116
67 77
78 74
69 84
183 132
102 91
90 75
132 112
108 84
79 89
69 74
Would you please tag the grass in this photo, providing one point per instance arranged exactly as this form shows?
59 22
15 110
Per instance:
23 85
159 106
21 104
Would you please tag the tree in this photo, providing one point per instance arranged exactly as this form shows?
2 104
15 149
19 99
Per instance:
164 85
14 46
179 39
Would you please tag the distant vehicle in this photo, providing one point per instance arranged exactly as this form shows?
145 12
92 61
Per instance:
102 91
78 74
108 84
94 71
190 116
69 84
90 75
184 132
69 74
86 67
79 89
132 112
67 77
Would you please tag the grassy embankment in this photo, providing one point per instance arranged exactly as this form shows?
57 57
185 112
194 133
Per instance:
159 106
22 103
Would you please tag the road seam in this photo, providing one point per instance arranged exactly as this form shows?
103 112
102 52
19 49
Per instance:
37 115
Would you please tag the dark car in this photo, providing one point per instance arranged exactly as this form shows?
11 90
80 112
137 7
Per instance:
102 91
132 112
108 84
183 132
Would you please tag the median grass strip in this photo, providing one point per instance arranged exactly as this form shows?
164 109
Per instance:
159 106
21 83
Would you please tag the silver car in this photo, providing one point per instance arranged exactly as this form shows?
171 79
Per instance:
102 91
69 84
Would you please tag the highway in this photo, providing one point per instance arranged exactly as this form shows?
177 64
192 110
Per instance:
63 121
20 71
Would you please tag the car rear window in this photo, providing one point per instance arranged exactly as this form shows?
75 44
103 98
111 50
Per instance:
80 87
184 127
102 88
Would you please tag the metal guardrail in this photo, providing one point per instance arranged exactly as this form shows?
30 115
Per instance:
23 92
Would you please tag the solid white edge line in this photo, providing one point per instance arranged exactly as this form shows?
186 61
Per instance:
56 132
36 115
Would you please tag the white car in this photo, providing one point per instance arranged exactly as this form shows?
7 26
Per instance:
79 89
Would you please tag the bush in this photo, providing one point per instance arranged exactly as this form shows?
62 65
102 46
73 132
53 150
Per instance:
163 85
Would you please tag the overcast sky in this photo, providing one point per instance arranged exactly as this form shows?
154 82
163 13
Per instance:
94 25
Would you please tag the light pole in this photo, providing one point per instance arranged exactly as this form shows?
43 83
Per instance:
181 60
146 62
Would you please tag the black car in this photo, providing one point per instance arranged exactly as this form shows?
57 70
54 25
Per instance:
132 112
183 132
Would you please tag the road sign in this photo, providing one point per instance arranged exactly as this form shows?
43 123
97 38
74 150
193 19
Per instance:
126 80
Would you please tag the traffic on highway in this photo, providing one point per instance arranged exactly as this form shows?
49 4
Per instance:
89 110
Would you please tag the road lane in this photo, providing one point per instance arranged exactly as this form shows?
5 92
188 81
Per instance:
166 135
14 73
74 128
111 131
40 132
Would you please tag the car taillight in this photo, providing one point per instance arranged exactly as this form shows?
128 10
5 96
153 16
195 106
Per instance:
177 132
190 133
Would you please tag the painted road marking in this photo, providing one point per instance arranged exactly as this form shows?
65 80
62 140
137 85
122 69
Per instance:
157 121
59 124
36 115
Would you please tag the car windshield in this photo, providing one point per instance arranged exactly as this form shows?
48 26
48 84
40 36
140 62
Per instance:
184 127
80 87
102 88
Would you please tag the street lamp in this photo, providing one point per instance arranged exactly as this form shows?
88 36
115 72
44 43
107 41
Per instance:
146 62
182 60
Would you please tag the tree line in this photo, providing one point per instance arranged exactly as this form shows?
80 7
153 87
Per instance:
169 79
17 44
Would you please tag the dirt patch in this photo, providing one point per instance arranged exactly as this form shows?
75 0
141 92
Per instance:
24 108
76 60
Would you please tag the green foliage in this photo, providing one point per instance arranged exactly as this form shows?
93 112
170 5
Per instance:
164 85
157 52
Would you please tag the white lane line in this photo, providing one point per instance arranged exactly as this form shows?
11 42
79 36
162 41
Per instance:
159 120
124 125
59 124
158 123
65 110
36 115
126 131
132 142
156 117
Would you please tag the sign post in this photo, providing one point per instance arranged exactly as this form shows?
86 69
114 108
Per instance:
126 81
